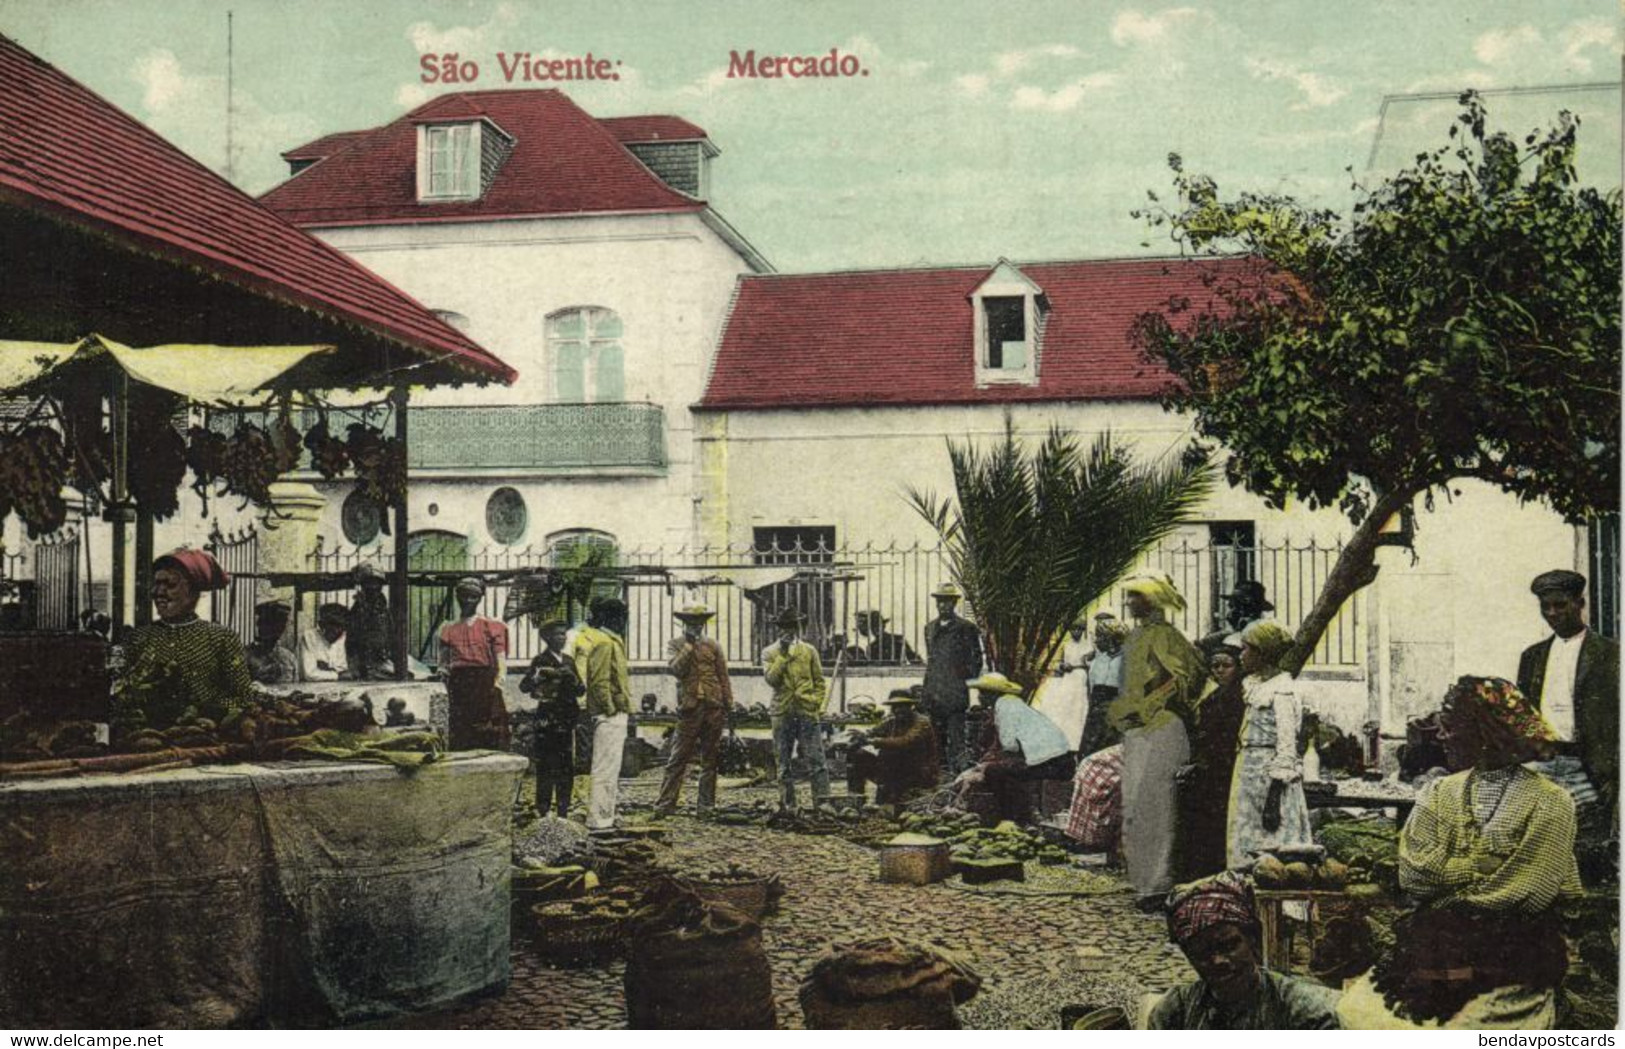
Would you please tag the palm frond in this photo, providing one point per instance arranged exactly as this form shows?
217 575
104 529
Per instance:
1033 538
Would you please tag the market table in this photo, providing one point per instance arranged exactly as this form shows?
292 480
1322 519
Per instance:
286 894
1364 794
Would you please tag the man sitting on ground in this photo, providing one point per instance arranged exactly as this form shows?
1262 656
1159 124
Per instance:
899 756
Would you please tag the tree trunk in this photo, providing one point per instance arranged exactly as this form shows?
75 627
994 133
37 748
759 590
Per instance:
1356 568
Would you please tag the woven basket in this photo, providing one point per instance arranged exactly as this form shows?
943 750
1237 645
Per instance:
558 932
753 896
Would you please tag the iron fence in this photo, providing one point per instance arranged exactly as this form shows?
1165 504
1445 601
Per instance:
841 589
57 560
238 552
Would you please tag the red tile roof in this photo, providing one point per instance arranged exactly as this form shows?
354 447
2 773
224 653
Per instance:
69 153
904 337
564 162
325 146
652 129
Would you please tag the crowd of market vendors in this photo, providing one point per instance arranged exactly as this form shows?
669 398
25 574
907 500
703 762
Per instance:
1185 759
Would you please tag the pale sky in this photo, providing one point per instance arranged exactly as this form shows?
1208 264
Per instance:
1027 130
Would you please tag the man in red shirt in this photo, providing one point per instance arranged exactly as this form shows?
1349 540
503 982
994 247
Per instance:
472 650
704 697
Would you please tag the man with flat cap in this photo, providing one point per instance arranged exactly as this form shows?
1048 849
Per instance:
704 697
953 651
1573 677
899 756
553 680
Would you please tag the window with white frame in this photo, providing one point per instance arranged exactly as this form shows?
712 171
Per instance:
449 161
1008 310
585 357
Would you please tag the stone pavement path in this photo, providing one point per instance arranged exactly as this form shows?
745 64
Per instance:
1035 954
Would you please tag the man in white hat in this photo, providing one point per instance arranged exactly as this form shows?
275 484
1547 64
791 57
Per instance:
1020 747
1164 677
704 697
899 756
953 648
791 668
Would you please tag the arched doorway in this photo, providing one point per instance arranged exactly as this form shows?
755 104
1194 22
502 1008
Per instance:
431 550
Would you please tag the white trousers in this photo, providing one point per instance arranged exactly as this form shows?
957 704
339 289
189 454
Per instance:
608 739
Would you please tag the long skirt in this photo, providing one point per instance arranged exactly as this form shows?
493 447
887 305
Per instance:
1151 757
1248 791
479 718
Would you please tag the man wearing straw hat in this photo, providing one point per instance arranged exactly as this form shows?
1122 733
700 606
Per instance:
792 670
1163 680
953 648
704 697
899 756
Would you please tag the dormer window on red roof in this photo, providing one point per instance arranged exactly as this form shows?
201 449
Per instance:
1007 311
457 161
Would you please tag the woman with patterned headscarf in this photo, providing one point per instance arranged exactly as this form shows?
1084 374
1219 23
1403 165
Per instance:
181 667
1267 807
1163 681
1487 854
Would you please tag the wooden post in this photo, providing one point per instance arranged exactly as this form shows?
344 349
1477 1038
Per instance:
144 555
118 509
399 601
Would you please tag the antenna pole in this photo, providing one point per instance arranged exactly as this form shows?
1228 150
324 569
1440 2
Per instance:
230 102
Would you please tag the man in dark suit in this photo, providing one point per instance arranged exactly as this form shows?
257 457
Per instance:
1573 677
953 648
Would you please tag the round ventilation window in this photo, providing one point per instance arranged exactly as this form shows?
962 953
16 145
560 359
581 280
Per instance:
505 516
362 518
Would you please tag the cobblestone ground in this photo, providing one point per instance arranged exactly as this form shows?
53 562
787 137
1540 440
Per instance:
1035 953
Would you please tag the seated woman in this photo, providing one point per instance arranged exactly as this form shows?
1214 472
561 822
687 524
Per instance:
1020 746
1095 819
1487 854
1267 807
181 667
1214 923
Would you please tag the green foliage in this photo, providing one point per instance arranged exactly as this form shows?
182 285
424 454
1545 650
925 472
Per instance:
1034 539
1462 322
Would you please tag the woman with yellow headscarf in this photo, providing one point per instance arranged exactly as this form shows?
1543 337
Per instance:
1267 807
1164 677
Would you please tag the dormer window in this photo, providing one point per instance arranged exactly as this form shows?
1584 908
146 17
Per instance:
457 161
450 162
1008 311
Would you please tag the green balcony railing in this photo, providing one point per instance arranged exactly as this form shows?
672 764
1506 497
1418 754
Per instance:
564 437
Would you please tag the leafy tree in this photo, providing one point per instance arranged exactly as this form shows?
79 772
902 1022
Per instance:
1034 539
1461 323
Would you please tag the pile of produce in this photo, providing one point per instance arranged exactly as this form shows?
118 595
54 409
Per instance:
1329 875
541 883
968 840
549 840
1368 845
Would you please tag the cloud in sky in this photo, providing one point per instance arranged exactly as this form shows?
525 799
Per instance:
1009 63
1580 37
1317 90
1499 45
1063 98
1132 28
189 110
469 41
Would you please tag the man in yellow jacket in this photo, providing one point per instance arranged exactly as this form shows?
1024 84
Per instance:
600 656
797 680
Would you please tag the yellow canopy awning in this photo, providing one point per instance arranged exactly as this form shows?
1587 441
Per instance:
218 375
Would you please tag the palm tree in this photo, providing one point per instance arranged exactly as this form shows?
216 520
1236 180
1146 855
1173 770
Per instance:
1033 540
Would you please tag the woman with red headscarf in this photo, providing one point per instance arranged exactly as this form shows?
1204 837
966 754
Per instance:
181 667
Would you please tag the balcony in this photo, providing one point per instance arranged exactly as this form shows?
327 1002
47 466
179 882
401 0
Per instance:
621 438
